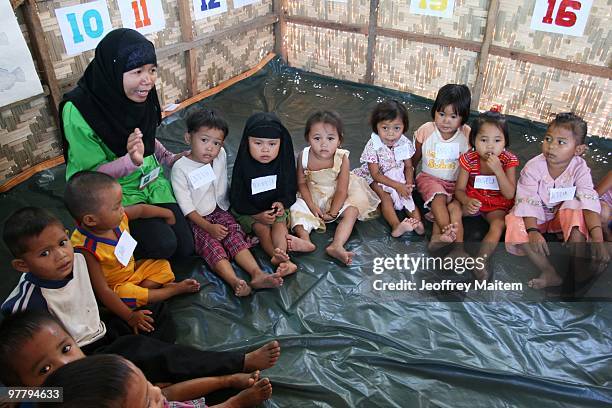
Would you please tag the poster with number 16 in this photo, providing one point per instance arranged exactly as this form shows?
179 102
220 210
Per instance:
561 16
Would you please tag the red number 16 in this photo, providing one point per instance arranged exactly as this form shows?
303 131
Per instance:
564 18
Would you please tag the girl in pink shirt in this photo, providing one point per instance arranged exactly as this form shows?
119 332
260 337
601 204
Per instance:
555 194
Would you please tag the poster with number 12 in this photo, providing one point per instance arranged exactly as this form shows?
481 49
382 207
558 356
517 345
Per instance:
561 16
437 8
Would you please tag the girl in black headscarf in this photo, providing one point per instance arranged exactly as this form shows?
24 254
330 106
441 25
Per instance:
264 185
108 124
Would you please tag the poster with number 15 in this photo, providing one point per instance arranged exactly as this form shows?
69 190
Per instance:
561 16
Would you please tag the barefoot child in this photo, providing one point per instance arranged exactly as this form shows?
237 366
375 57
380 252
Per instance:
199 181
264 186
440 143
604 189
102 236
387 167
327 188
487 179
555 194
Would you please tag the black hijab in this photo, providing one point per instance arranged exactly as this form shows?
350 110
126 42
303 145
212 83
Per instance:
100 98
266 126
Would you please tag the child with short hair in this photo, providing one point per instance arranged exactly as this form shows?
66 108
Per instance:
103 237
199 181
487 179
112 381
387 166
327 188
440 143
555 194
264 186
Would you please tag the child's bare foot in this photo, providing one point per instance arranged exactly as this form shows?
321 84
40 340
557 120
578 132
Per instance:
264 357
241 288
341 254
447 236
402 228
286 268
250 397
264 280
279 257
242 380
482 274
546 279
185 286
417 225
297 244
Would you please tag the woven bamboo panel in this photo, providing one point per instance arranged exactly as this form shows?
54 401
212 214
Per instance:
328 52
233 17
513 30
535 92
421 68
468 21
28 136
225 59
172 80
352 12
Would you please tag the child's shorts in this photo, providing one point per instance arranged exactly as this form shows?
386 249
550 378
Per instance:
564 221
247 221
429 186
156 270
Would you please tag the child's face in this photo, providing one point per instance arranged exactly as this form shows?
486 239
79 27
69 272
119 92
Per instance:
111 210
264 150
390 130
206 144
559 146
49 256
447 121
44 353
323 139
141 393
489 141
138 82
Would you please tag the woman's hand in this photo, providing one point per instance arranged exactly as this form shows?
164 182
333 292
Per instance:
135 147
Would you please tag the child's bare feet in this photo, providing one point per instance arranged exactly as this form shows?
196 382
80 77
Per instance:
241 288
447 236
417 225
250 397
546 279
264 280
286 268
264 357
279 257
341 254
297 244
402 228
482 274
185 286
242 380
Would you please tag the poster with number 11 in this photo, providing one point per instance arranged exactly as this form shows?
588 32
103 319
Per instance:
437 8
561 16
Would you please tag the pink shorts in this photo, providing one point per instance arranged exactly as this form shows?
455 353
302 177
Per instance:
429 186
564 221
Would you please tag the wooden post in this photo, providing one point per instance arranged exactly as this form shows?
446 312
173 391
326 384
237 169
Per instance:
191 55
280 29
371 52
39 46
483 58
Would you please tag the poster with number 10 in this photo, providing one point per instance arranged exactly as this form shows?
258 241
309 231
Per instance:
437 8
561 16
207 8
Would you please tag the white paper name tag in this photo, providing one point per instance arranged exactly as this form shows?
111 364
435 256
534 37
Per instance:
125 248
486 182
401 152
261 184
149 177
201 176
561 194
448 151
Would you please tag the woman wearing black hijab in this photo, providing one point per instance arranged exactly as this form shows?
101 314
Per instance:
108 124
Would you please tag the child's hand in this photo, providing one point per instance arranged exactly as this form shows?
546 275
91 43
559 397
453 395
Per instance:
316 211
266 217
140 320
538 244
329 217
403 190
169 217
279 207
217 231
135 147
494 163
472 206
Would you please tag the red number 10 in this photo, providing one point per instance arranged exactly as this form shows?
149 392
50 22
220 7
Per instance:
146 20
564 18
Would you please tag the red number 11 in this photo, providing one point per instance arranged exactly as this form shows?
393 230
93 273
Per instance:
564 18
144 22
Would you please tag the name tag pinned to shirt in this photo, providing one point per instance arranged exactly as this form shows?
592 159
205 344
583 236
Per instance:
201 176
486 182
125 248
448 151
401 152
562 194
261 184
149 177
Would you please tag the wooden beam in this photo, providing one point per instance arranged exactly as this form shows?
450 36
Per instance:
371 52
26 174
483 57
280 29
191 55
40 48
330 25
